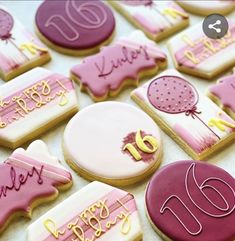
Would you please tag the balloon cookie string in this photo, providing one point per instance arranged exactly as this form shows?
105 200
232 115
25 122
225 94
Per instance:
194 114
7 38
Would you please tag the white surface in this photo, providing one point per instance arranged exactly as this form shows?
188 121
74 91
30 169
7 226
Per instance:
25 11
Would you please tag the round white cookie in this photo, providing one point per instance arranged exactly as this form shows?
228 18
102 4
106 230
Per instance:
113 142
208 7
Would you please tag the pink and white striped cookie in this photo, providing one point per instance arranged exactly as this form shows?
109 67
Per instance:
96 212
32 103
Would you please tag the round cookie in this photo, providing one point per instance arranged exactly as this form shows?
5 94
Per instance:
75 27
191 201
208 7
112 142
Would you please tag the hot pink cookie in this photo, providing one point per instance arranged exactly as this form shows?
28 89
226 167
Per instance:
157 19
191 201
105 74
223 94
75 27
29 178
20 50
197 124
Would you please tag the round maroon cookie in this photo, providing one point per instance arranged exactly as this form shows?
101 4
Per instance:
192 201
75 25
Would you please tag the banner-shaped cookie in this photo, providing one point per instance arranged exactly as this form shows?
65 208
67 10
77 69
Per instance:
196 123
116 66
223 94
158 19
196 54
32 103
28 178
96 212
20 50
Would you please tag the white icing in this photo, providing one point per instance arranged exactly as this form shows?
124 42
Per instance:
207 108
93 140
70 208
40 116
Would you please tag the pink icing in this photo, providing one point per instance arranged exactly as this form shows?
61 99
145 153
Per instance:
75 24
200 51
6 25
109 69
24 101
114 207
192 203
21 186
224 90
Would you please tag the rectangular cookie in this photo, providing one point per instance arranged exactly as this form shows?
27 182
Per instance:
197 124
223 94
196 54
96 212
157 19
20 50
124 63
32 103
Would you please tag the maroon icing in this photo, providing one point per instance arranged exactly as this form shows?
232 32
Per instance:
138 2
75 24
208 218
6 25
130 138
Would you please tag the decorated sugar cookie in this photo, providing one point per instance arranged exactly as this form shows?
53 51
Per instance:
192 203
96 212
28 178
208 7
112 142
198 55
197 124
75 27
223 94
20 50
158 19
123 63
32 103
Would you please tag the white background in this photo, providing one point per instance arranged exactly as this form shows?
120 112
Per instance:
25 12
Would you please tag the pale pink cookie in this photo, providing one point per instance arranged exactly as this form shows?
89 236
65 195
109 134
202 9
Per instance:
29 178
158 19
223 94
113 142
96 212
208 7
191 201
197 124
32 103
198 55
20 50
124 63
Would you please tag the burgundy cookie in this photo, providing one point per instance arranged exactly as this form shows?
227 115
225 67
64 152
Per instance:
77 25
192 201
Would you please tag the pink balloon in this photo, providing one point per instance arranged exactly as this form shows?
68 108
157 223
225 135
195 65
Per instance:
172 94
138 2
6 25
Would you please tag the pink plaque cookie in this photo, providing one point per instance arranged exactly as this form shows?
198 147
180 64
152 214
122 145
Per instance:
158 19
75 27
32 103
196 54
223 93
20 50
96 212
197 124
106 73
28 178
192 201
112 142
